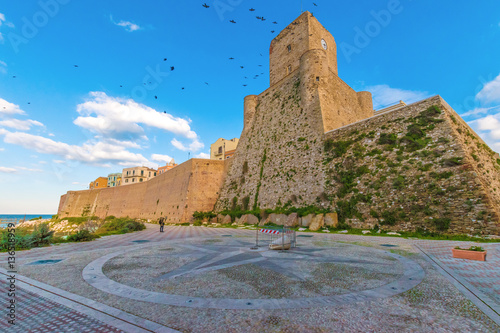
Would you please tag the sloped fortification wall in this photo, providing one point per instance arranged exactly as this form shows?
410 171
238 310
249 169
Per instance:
176 194
414 168
445 178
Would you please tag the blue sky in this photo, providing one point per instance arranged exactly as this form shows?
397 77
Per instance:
62 126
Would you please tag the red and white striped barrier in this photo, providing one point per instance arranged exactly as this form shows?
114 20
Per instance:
274 232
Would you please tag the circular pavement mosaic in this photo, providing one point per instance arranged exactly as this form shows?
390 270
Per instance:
225 273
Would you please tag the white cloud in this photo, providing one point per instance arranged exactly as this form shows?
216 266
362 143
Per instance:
127 25
119 118
161 158
21 125
52 134
383 95
193 146
42 162
95 153
2 149
490 92
7 170
477 111
490 124
3 67
7 108
29 169
203 155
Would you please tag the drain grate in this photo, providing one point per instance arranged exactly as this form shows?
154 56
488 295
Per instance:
45 262
141 241
388 245
308 236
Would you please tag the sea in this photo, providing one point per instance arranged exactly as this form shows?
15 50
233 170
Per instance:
20 217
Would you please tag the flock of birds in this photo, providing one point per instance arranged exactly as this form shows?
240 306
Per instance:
172 68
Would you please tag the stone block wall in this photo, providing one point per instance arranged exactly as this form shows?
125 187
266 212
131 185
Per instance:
176 194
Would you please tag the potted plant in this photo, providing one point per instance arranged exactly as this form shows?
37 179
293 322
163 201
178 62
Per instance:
472 253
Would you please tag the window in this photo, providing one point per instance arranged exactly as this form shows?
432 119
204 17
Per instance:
317 78
289 69
142 172
127 172
289 47
133 180
140 180
220 150
155 174
126 180
96 184
133 172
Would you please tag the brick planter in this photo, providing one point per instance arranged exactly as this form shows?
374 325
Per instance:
471 255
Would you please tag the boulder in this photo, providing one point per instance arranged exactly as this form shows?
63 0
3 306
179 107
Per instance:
226 220
214 220
248 219
317 223
305 221
278 219
220 218
263 222
331 220
252 219
366 232
292 220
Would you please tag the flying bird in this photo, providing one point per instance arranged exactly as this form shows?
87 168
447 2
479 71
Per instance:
121 86
231 58
232 21
164 59
275 22
244 85
182 88
272 31
205 5
242 67
156 97
14 77
172 68
206 83
259 17
315 4
164 111
252 9
262 19
76 65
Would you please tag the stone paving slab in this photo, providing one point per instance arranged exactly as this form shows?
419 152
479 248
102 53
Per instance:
488 280
43 308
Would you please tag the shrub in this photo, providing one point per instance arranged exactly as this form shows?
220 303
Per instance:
120 226
82 236
389 218
442 224
36 218
42 235
451 162
388 139
399 183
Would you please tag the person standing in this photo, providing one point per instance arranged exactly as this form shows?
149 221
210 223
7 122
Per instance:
162 223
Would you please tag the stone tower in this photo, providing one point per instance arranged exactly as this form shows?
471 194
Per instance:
306 47
284 126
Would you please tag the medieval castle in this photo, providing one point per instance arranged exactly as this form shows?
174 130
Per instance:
311 140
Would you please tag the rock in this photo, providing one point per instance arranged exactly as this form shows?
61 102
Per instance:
331 220
248 219
292 220
366 232
214 220
317 223
305 221
252 219
262 222
220 218
326 230
278 219
343 232
302 229
226 220
378 232
237 220
393 233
